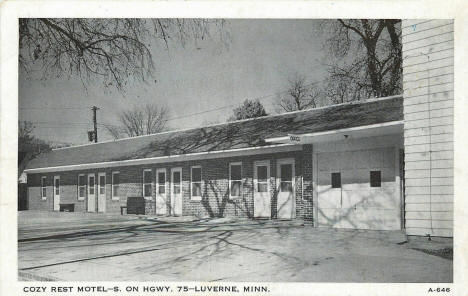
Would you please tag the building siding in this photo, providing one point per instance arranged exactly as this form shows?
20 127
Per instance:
215 200
428 132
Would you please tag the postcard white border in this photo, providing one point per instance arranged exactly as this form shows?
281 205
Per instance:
10 11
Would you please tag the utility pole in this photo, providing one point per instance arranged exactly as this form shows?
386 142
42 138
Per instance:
94 108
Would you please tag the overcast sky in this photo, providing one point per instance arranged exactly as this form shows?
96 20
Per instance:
257 62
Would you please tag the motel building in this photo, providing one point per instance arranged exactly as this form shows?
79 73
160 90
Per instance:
380 164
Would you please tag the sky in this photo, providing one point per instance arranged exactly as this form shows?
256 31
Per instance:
256 62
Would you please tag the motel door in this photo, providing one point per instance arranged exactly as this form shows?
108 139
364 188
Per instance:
161 192
176 191
91 193
56 193
286 203
262 197
102 192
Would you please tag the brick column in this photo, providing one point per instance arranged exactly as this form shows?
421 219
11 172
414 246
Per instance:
307 180
150 204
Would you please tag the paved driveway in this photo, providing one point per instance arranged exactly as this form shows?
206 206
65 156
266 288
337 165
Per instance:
94 248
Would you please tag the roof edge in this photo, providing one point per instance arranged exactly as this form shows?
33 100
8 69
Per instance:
177 157
236 121
334 131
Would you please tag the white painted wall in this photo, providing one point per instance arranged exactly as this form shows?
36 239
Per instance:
356 204
428 131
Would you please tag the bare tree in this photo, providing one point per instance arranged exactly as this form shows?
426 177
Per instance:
28 142
138 121
298 96
364 58
112 50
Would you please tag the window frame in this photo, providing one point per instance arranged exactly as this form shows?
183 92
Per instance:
281 176
56 188
85 187
158 184
93 175
174 184
115 197
150 183
196 197
231 180
99 185
379 180
331 181
43 187
257 164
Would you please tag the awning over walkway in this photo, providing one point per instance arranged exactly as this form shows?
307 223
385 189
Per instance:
387 128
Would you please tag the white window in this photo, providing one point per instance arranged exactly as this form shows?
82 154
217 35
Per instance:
91 184
235 179
57 185
161 185
81 187
102 184
44 187
262 178
147 183
115 185
196 183
286 172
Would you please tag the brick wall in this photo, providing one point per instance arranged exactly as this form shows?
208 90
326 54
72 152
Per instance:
34 193
428 111
307 206
215 186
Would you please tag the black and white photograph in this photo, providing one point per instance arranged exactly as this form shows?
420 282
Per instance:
235 150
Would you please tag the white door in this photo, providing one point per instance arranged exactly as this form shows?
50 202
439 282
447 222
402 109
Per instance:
161 192
262 197
102 192
346 196
176 191
56 193
91 193
286 203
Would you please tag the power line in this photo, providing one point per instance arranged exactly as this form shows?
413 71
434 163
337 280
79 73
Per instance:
261 98
63 126
226 106
52 108
237 104
60 123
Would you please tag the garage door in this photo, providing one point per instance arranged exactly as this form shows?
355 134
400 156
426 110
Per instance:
357 189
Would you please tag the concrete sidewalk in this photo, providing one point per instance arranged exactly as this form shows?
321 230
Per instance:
148 248
287 254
